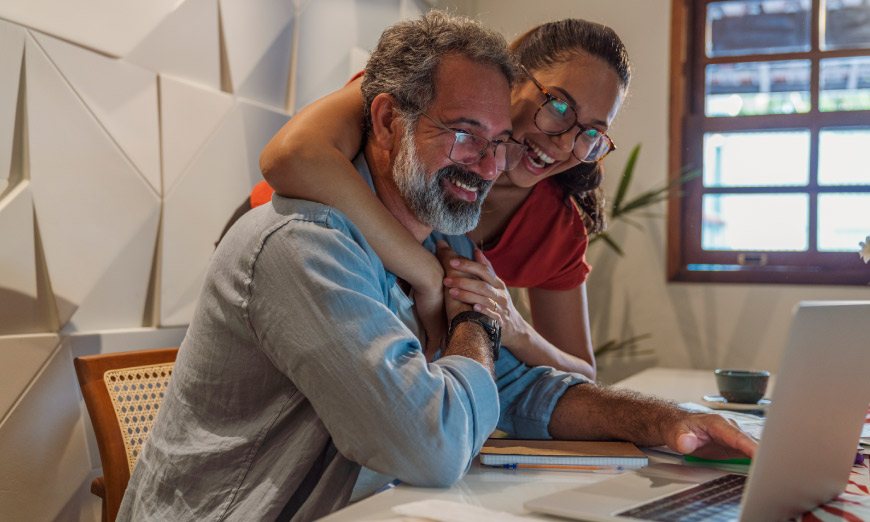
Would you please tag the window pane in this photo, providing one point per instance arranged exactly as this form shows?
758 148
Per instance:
847 24
758 27
755 222
843 157
845 84
745 89
763 159
843 221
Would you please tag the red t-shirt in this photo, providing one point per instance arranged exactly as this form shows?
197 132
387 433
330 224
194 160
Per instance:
544 244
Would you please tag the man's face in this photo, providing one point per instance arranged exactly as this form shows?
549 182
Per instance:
443 194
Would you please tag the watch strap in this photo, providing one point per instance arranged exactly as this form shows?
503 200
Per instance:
490 326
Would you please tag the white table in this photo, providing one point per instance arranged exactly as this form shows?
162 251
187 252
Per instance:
506 490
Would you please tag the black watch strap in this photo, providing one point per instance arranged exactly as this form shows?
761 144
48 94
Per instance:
489 325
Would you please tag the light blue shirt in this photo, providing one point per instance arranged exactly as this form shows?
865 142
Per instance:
297 369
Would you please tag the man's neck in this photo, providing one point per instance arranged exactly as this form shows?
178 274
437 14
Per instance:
388 193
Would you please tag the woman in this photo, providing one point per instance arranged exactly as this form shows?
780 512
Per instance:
531 233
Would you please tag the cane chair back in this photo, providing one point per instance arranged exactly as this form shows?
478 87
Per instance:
123 392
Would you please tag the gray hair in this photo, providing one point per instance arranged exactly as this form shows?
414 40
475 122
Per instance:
408 53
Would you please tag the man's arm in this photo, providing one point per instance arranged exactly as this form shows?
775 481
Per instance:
590 412
319 305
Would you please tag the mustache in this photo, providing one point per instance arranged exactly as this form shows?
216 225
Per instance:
465 176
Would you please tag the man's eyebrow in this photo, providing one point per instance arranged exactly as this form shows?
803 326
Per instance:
475 123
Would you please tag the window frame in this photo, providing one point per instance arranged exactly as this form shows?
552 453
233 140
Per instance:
687 125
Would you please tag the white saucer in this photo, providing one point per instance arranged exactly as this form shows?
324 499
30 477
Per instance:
717 402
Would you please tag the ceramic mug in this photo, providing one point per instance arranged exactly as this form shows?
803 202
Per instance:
743 386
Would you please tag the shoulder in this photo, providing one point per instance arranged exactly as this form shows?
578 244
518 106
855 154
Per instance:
291 231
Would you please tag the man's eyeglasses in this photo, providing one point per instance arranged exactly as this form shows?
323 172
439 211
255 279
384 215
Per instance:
468 149
556 116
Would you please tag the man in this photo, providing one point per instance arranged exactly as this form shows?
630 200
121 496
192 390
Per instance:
301 365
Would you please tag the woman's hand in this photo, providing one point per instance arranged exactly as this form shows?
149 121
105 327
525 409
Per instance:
487 294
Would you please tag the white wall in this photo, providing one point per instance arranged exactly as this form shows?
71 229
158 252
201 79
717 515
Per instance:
692 325
129 133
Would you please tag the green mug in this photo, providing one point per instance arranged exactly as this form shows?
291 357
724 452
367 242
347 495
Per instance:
742 386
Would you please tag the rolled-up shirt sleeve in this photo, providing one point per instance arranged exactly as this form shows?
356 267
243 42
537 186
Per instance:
528 395
320 305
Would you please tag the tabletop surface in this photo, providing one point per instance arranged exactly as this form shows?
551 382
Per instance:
506 490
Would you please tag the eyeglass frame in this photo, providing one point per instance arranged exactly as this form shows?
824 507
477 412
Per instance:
582 128
480 154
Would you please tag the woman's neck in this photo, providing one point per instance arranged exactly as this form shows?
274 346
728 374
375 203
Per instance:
502 202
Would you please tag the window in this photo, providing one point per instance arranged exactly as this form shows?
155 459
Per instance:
770 101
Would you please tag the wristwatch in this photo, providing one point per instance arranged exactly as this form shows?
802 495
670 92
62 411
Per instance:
490 326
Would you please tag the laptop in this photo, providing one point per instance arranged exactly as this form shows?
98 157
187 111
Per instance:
808 445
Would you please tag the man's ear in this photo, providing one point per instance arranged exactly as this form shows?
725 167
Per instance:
385 121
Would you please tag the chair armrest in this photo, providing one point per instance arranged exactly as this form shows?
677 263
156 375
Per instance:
98 487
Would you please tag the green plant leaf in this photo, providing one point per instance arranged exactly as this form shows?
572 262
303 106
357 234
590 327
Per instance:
614 346
627 175
604 236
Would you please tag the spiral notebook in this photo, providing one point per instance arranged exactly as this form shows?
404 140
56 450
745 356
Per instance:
514 452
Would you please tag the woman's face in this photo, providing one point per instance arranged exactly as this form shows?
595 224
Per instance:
590 85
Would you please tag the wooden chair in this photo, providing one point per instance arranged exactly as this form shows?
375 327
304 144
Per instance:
122 392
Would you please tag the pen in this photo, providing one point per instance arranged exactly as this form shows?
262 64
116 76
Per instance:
567 467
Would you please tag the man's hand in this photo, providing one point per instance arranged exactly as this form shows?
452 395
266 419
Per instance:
590 412
709 436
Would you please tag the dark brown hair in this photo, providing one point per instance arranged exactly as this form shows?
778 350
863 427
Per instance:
555 43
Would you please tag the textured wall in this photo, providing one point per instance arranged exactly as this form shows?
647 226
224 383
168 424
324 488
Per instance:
129 132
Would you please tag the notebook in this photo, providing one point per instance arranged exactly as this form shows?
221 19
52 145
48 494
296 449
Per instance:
807 448
545 453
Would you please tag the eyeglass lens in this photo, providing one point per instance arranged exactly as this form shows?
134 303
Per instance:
468 149
557 117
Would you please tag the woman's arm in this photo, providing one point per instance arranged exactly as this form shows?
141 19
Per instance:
310 158
561 317
560 337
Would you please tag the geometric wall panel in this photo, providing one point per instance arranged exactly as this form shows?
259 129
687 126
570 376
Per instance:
118 298
122 97
108 26
189 114
202 201
410 10
87 220
184 44
324 65
371 19
21 357
11 55
258 37
44 456
19 309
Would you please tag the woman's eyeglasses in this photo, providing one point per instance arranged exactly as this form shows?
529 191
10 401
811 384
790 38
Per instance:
556 116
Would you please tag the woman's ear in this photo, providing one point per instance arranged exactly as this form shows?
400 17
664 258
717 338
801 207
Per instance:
385 121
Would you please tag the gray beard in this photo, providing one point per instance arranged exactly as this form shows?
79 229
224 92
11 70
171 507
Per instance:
427 199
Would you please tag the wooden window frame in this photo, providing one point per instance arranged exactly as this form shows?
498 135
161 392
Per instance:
687 124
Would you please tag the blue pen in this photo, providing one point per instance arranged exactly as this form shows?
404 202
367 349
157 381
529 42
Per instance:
566 467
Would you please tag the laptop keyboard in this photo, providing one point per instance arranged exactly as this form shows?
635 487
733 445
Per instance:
717 500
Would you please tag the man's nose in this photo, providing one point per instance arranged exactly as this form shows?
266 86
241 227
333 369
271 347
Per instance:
486 167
